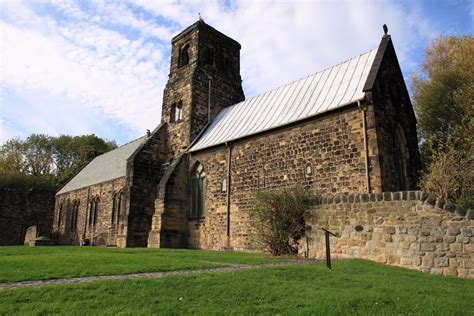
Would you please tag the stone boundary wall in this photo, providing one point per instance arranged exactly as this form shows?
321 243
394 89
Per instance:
409 229
23 209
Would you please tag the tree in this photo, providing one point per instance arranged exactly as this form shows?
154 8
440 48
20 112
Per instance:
443 95
443 90
38 154
42 161
11 156
73 153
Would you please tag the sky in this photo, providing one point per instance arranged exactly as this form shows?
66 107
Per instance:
100 67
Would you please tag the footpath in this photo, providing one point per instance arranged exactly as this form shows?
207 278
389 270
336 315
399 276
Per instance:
151 275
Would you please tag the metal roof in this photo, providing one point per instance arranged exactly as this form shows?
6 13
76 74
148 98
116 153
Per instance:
105 167
323 91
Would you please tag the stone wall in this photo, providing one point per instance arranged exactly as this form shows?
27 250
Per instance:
331 144
393 110
169 224
104 232
209 232
22 211
144 169
409 229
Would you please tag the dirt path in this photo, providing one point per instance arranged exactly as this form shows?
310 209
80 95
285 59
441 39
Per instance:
150 275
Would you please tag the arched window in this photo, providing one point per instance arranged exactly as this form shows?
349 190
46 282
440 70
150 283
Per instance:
184 56
176 112
96 210
116 207
68 214
119 207
93 210
74 212
198 192
60 213
401 158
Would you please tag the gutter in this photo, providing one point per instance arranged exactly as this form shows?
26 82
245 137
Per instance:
229 159
209 78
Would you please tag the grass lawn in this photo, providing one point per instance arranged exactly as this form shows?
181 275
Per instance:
21 263
353 287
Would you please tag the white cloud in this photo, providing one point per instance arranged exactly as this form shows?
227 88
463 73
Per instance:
112 59
99 68
284 41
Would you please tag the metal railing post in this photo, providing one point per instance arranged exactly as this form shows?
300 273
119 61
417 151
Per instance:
328 246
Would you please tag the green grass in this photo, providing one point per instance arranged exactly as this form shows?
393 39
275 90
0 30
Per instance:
21 263
352 288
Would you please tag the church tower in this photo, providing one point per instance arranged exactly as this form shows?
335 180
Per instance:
204 78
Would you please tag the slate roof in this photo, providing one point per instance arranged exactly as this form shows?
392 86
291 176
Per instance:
105 167
323 91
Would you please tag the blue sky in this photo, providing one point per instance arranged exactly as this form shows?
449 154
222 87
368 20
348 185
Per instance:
100 67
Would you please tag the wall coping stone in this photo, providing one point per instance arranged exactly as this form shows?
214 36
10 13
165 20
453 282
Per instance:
432 202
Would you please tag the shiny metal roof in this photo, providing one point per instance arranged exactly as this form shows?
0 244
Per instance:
326 90
106 167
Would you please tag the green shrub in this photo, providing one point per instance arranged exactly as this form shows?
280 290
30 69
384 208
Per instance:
278 219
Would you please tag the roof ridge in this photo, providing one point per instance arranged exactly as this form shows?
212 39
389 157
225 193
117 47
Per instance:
104 167
130 141
302 78
119 147
322 91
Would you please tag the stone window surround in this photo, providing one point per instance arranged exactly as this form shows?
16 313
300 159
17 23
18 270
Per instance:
94 207
116 207
74 214
184 55
198 192
60 211
176 114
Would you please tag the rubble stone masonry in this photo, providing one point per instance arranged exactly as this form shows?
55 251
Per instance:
22 211
409 229
394 115
331 145
104 232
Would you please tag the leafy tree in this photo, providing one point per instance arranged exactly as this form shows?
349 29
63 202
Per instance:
11 156
37 152
443 95
443 91
73 153
42 161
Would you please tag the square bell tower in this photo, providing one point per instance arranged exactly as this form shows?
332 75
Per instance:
204 78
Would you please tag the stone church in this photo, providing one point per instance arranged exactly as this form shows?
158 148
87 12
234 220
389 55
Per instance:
190 182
